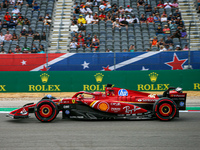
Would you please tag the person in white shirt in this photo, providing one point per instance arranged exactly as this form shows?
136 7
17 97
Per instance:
129 19
168 4
82 9
16 10
12 2
88 10
19 2
74 28
2 38
162 48
102 7
128 9
89 19
73 44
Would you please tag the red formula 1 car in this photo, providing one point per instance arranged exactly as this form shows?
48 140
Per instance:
115 103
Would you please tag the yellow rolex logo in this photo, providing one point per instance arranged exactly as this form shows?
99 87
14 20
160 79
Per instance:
99 77
44 77
153 76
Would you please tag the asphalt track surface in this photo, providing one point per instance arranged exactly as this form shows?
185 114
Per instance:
179 134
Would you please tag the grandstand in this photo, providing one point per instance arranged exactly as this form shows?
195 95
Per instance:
39 26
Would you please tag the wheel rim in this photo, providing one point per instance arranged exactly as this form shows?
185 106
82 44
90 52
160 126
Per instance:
45 111
165 109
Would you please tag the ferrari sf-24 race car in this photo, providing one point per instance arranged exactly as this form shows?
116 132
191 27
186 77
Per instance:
115 103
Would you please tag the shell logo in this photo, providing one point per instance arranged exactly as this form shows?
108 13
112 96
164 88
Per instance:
103 106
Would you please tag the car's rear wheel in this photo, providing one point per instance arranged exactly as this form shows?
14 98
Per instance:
165 109
46 110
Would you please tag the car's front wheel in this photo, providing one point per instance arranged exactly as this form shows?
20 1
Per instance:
165 109
46 110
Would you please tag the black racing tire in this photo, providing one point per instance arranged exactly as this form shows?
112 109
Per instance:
165 109
46 110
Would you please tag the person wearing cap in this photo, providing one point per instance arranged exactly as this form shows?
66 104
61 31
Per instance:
166 30
178 48
8 36
81 20
15 10
160 5
7 17
156 18
34 49
36 7
128 9
116 24
173 26
129 19
121 10
82 9
23 32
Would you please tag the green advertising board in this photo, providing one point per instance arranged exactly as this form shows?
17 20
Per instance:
73 81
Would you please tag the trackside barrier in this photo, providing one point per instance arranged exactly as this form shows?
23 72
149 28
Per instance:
73 81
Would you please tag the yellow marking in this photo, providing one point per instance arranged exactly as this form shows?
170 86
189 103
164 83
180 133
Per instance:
92 103
73 101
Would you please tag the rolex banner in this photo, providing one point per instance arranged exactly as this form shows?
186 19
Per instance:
74 81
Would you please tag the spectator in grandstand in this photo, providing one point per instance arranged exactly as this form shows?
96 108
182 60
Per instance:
170 18
77 10
18 49
89 3
36 37
155 10
121 18
161 43
140 3
95 39
177 34
25 49
34 49
148 9
143 19
135 19
169 42
150 19
74 20
198 3
4 25
43 36
156 18
128 9
154 42
88 10
166 30
20 16
30 32
159 30
20 21
108 17
15 10
183 33
0 23
124 50
121 10
15 37
30 3
162 48
7 17
124 23
95 46
47 20
10 51
160 5
12 25
2 51
173 26
82 28
36 7
167 4
129 19
5 4
132 48
108 7
27 22
174 4
96 3
181 25
2 38
75 5
73 44
167 48
116 24
108 51
163 17
81 20
20 2
74 28
88 44
41 49
8 36
81 42
115 9
89 19
186 48
102 16
177 13
12 2
102 6
82 9
23 32
178 48
114 17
